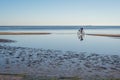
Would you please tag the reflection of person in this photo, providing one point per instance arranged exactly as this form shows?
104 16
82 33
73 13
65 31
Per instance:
80 37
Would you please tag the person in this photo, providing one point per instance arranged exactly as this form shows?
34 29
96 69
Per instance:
80 31
80 34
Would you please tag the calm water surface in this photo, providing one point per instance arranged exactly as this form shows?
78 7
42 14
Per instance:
68 40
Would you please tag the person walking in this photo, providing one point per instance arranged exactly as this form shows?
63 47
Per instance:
80 34
81 30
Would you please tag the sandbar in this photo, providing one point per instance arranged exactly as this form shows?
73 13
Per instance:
24 33
6 40
107 35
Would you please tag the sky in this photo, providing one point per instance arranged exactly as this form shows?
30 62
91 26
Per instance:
59 12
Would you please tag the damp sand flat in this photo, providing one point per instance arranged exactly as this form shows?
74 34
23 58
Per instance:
56 63
24 33
46 33
10 77
106 35
6 41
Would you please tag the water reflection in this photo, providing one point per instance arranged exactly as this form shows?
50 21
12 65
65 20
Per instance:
80 37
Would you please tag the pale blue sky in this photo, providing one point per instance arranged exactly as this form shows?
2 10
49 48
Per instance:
59 12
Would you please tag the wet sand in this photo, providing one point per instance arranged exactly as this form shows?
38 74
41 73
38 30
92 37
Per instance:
58 64
24 33
10 77
106 35
46 33
6 41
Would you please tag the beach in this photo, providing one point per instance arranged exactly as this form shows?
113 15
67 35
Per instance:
59 40
24 33
59 55
46 33
106 35
58 64
6 41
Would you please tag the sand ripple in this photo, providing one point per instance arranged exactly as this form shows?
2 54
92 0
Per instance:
56 63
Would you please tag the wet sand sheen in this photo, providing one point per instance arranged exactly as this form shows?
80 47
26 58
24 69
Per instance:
46 33
24 33
57 63
106 35
6 40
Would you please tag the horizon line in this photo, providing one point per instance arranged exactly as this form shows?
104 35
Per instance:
59 25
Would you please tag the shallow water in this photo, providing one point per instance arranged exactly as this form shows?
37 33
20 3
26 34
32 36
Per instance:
68 40
53 60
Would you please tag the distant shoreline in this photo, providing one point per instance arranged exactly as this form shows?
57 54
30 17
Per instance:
59 27
55 25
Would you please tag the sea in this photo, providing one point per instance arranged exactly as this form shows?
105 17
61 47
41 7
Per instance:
65 38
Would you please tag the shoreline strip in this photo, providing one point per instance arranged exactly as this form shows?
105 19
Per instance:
24 33
106 35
